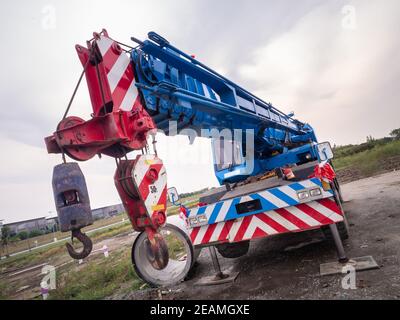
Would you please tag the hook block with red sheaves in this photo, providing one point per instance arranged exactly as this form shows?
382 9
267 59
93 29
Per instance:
119 124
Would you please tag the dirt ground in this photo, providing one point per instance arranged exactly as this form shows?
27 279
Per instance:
269 271
26 281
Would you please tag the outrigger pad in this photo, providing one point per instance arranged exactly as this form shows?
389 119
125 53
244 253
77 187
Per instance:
360 264
212 280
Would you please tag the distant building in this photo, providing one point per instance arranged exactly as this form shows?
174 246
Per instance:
52 223
27 225
107 212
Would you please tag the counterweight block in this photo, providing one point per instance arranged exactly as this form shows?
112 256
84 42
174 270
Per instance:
71 197
73 206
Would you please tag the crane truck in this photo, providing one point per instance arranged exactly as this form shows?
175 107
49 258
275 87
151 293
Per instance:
274 176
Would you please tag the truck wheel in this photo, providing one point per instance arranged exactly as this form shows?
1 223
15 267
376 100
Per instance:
337 189
181 257
233 250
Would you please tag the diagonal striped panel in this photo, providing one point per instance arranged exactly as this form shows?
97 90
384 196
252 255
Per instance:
270 199
120 74
153 194
296 218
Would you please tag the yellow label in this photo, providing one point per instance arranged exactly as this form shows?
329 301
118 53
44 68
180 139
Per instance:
149 161
158 207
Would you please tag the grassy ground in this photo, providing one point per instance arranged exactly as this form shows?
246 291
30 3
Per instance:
48 238
98 279
31 258
4 291
370 161
44 254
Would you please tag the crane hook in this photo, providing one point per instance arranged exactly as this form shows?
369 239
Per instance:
157 249
87 245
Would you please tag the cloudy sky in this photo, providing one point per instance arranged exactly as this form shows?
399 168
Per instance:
334 63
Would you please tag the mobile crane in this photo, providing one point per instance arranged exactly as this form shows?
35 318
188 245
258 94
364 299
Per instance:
274 175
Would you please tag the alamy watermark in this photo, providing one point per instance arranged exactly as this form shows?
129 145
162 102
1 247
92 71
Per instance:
349 19
349 280
230 146
49 17
48 281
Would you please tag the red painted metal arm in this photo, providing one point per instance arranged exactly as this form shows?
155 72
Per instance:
119 122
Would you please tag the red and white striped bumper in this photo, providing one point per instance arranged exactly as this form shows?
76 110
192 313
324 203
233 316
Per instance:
301 217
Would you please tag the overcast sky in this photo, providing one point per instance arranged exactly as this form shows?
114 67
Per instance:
334 63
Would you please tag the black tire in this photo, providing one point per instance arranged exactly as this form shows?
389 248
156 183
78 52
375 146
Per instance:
233 250
337 188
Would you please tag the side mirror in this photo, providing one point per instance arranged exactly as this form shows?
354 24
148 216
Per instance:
324 151
173 195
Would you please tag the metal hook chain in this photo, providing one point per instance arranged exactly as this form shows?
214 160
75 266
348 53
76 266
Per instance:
73 97
77 85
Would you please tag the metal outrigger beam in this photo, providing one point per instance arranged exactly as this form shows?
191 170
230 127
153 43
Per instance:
220 277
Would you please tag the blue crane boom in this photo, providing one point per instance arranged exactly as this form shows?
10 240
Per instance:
175 86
